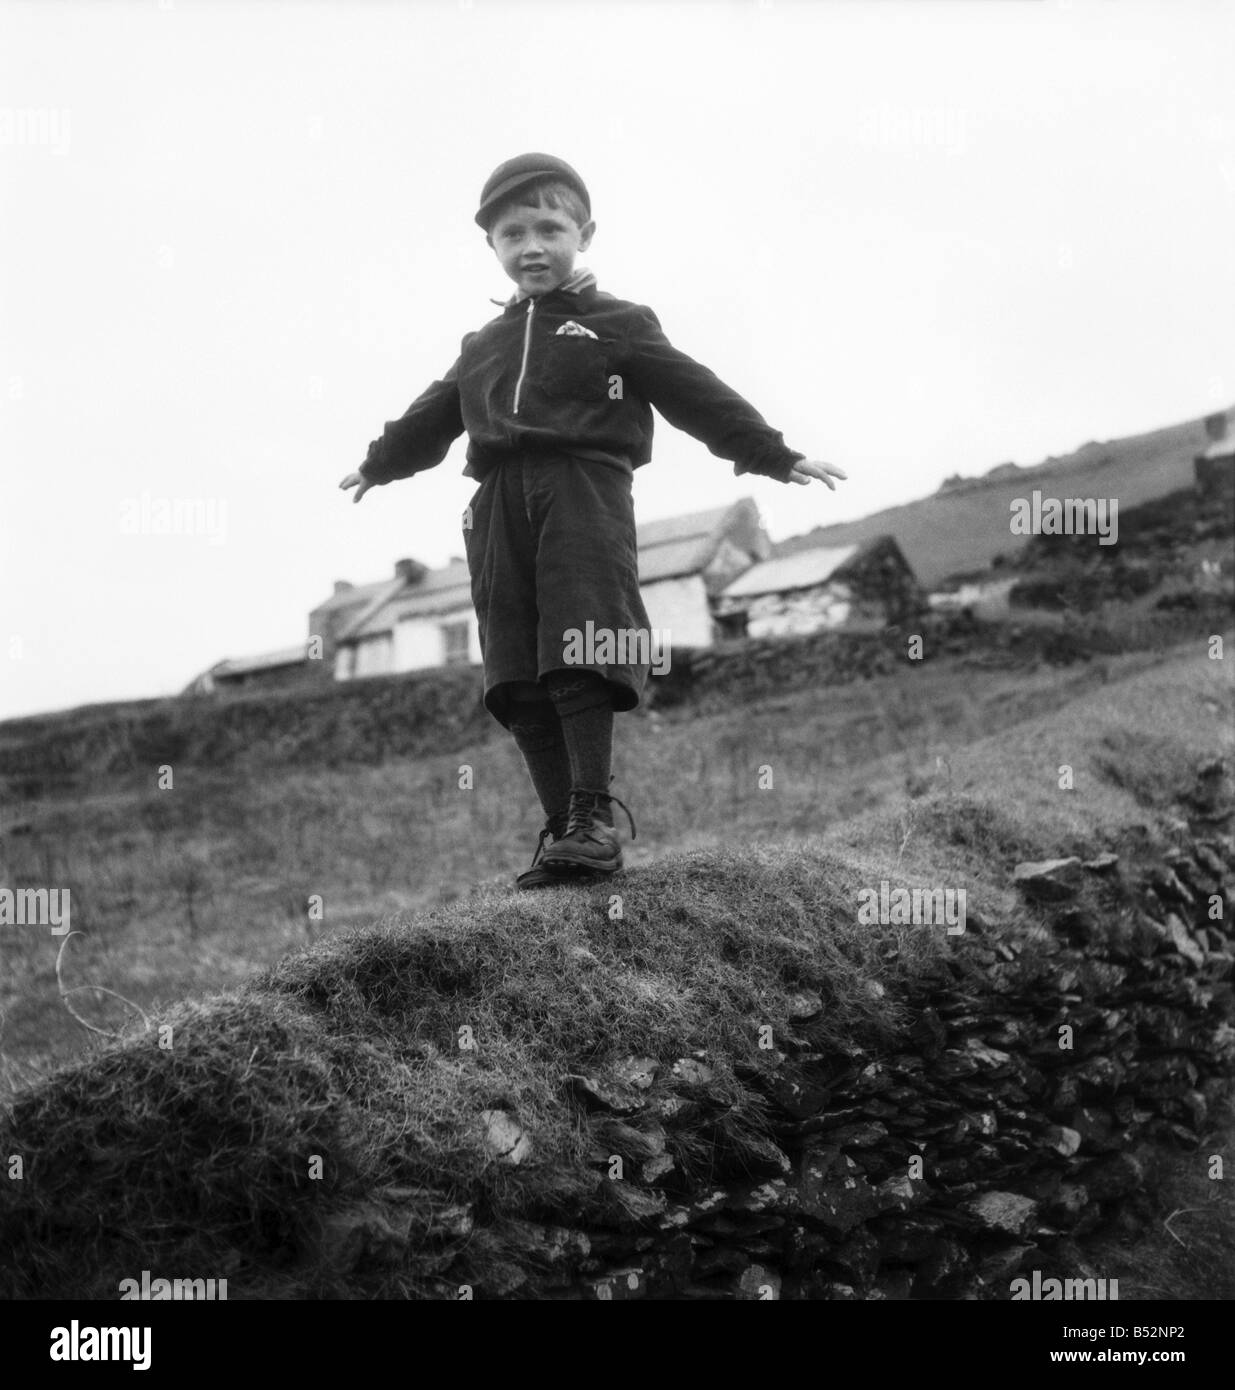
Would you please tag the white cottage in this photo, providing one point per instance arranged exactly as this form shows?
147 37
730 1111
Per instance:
685 561
422 618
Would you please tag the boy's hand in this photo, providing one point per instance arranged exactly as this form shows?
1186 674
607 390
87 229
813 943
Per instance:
806 469
359 482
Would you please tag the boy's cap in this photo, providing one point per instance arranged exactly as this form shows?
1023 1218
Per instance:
523 169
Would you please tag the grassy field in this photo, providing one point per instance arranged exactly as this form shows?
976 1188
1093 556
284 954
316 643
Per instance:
193 888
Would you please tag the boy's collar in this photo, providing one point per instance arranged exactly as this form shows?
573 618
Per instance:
580 279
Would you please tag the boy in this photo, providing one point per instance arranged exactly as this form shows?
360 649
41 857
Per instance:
556 395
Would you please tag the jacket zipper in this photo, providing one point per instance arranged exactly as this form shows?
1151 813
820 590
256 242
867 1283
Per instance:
527 343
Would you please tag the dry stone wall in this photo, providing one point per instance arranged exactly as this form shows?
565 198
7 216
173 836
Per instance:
1047 1078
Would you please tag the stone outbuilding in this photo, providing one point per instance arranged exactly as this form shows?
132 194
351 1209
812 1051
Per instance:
862 587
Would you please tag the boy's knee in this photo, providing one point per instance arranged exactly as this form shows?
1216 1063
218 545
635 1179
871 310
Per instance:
526 693
572 692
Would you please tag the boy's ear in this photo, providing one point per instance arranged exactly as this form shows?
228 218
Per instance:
586 233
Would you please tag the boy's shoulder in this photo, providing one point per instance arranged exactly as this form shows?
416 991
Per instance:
594 300
589 305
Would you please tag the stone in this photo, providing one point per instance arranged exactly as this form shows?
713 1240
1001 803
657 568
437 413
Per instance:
1196 1107
676 1217
1183 942
693 1071
758 1283
895 1193
832 1192
1007 1213
723 1257
928 1033
1096 1129
945 1259
949 1170
639 1072
599 1094
361 1235
656 1168
631 1142
673 1109
549 1245
504 1137
1114 1177
1062 1139
1003 1264
1101 1073
1211 861
775 1195
1048 880
1009 1032
1146 935
856 1258
989 1058
765 1155
955 1064
797 1095
895 1286
858 1136
1081 926
804 1004
1167 885
908 1240
503 1277
1101 863
1068 1204
621 1285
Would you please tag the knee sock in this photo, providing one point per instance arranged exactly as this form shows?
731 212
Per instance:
585 708
538 733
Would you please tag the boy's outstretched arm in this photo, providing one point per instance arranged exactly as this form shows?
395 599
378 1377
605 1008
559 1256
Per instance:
418 440
693 398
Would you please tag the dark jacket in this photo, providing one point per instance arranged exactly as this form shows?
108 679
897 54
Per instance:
532 380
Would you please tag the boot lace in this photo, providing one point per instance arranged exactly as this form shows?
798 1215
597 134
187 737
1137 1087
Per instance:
583 804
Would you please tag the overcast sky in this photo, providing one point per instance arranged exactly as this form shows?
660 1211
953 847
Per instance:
236 238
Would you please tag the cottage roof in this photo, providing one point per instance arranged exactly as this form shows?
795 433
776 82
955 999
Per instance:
676 528
263 661
673 546
801 571
353 593
438 591
380 596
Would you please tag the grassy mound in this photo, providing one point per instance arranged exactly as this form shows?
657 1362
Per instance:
385 1054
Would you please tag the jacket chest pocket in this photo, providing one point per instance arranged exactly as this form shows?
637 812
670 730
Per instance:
574 368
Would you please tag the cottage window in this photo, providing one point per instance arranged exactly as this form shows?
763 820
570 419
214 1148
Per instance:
454 644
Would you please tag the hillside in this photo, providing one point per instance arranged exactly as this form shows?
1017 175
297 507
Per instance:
542 1097
961 530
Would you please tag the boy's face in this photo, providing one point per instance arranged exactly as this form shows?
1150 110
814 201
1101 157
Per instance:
537 246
